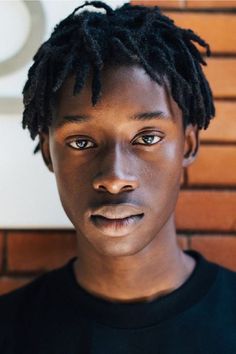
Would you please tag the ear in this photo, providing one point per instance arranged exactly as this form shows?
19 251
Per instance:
45 150
191 144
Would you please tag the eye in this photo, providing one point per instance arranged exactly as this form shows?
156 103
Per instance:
148 139
81 144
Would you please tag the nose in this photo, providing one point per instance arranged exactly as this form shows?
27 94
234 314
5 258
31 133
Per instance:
113 175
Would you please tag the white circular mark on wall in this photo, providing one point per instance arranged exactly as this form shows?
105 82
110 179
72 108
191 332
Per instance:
13 15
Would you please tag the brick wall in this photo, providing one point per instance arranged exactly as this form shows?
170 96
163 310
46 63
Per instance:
206 211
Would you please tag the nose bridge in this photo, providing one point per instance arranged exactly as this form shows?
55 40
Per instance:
115 160
115 173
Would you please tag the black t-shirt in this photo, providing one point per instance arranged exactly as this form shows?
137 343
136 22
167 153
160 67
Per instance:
54 315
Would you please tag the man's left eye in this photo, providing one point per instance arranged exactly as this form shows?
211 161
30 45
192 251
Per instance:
148 139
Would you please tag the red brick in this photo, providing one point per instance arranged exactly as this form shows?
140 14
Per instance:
215 165
1 249
206 210
215 28
223 127
39 250
8 284
221 73
161 3
219 249
210 4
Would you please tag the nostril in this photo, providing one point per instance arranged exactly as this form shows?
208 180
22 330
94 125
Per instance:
101 188
114 185
128 187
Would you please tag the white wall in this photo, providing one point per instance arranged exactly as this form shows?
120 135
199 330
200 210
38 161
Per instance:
28 194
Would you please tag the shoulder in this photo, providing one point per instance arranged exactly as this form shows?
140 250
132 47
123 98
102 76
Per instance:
213 274
222 295
227 280
19 305
14 301
217 286
33 292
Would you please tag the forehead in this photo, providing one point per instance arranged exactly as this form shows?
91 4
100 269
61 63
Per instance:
124 89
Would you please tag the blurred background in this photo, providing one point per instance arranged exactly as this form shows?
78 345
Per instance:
35 234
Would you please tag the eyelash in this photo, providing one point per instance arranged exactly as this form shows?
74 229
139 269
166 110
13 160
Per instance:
87 140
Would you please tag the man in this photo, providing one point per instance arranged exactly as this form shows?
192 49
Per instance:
117 100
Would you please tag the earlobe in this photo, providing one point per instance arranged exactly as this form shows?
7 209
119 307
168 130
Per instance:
44 147
191 144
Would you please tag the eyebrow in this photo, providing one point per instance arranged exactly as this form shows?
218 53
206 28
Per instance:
143 116
148 115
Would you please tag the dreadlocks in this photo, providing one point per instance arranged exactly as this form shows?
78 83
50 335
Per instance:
127 35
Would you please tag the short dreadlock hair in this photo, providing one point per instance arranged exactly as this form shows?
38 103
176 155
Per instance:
128 35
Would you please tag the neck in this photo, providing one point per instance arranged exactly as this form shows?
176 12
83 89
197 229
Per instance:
155 271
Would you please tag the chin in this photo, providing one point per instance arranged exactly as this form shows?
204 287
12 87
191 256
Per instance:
119 246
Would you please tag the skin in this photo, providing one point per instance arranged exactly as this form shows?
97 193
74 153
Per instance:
118 166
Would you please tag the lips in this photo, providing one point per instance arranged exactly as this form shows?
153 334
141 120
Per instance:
120 211
116 220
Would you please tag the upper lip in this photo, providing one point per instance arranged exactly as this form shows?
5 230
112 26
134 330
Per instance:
120 211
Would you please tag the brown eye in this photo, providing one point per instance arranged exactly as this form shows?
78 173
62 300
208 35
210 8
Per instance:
81 144
149 139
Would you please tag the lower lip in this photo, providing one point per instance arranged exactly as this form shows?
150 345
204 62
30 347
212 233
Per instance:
116 227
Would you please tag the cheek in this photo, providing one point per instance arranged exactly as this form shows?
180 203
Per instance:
173 157
172 151
71 182
72 189
164 181
63 163
166 164
64 171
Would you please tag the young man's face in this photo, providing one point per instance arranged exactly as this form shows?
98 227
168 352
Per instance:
125 155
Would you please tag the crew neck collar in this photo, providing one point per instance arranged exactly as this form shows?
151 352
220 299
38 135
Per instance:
141 314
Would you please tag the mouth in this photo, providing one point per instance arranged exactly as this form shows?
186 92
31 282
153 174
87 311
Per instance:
116 220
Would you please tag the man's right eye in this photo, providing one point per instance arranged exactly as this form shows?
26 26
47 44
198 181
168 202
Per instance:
81 144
